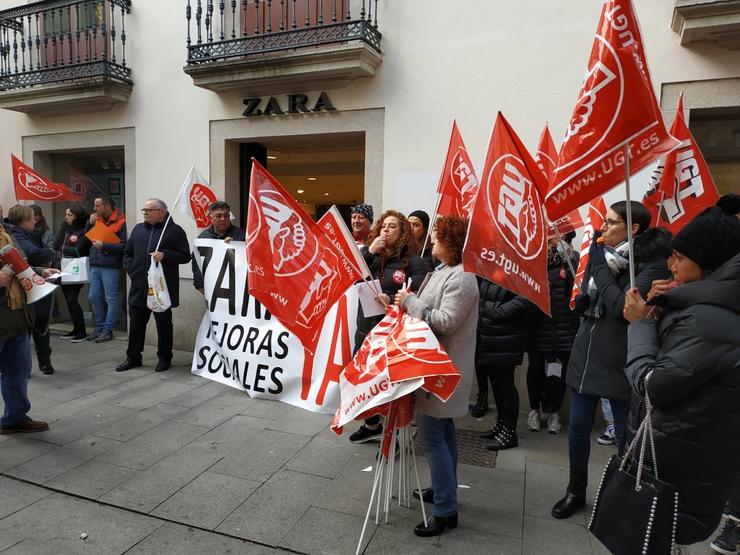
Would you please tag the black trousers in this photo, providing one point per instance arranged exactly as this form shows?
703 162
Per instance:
545 392
505 394
733 504
138 319
71 294
40 331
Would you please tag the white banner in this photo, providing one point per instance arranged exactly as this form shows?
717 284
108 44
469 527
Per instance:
241 345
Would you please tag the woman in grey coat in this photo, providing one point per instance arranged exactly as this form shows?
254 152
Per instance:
448 302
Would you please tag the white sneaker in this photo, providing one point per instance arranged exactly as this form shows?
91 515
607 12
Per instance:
553 423
533 421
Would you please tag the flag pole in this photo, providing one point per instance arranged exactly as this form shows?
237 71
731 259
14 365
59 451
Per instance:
630 238
431 224
169 213
567 258
660 208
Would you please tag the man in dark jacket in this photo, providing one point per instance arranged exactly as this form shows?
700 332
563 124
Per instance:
144 245
221 227
106 261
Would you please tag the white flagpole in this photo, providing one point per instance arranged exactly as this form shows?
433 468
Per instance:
169 212
630 238
567 258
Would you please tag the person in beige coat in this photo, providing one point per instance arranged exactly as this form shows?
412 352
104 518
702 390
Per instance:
448 302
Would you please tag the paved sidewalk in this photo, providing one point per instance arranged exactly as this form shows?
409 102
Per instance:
143 462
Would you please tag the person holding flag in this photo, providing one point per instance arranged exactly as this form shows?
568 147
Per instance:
448 302
597 361
219 213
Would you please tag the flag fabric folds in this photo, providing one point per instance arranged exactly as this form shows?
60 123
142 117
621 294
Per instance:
294 270
195 198
506 240
616 107
458 184
686 186
31 185
335 229
594 221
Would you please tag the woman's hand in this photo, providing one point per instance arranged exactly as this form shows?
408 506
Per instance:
378 245
401 295
635 307
661 286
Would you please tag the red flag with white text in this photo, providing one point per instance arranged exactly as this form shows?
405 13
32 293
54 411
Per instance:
546 157
335 229
31 185
457 184
513 251
594 221
294 271
686 185
195 198
616 106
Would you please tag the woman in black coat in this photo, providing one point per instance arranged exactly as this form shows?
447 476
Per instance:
391 259
596 366
71 242
688 343
502 332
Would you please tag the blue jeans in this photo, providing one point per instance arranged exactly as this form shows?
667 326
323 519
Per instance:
582 413
104 291
15 369
440 444
607 410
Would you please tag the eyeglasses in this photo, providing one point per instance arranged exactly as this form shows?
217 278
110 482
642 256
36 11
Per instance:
150 210
612 223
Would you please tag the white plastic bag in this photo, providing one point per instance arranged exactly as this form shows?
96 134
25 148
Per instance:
157 296
77 270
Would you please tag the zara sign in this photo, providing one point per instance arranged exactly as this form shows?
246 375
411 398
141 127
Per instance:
295 104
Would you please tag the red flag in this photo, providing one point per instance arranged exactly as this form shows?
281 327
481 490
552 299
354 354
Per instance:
333 226
31 185
594 221
195 198
686 186
616 106
457 184
547 156
294 271
513 251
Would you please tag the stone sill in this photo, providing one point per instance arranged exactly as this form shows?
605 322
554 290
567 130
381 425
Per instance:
97 94
292 71
708 20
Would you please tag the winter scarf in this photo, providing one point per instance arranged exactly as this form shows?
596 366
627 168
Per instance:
617 258
14 291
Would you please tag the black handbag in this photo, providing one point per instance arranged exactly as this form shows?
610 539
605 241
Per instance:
634 511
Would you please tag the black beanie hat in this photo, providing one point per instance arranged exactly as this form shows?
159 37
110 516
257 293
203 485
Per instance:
712 237
363 210
423 216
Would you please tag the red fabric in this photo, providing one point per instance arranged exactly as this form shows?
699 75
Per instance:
507 241
294 271
201 197
594 221
458 184
31 185
686 185
616 106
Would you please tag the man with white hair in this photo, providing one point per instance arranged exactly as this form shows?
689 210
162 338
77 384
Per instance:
144 245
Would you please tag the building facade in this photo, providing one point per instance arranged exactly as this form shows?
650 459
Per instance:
343 100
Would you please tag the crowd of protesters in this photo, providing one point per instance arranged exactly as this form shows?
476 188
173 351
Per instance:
675 336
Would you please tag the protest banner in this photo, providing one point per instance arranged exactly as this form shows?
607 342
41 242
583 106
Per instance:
616 113
686 186
240 344
513 251
31 185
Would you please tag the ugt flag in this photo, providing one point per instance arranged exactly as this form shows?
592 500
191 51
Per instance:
457 184
31 185
616 107
513 251
195 197
294 270
594 221
686 187
546 157
335 229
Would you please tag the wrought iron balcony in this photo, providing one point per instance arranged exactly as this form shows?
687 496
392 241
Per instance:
52 48
263 45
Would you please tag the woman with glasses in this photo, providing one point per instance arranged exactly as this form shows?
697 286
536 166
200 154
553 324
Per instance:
597 361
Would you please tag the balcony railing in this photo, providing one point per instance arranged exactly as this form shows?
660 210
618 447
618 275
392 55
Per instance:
230 29
63 40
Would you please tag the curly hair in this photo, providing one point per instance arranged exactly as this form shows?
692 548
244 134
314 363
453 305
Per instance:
407 244
451 232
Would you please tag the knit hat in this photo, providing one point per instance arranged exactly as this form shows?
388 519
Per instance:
712 237
363 210
423 216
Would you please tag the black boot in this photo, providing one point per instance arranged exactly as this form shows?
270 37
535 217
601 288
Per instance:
493 432
481 406
435 526
506 439
575 495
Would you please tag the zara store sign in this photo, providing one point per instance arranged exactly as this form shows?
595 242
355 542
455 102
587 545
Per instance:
291 104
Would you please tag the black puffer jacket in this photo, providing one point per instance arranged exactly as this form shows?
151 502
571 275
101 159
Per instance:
71 240
502 326
599 352
392 271
694 355
555 334
142 241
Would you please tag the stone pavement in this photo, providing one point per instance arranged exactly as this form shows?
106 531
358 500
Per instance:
143 462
